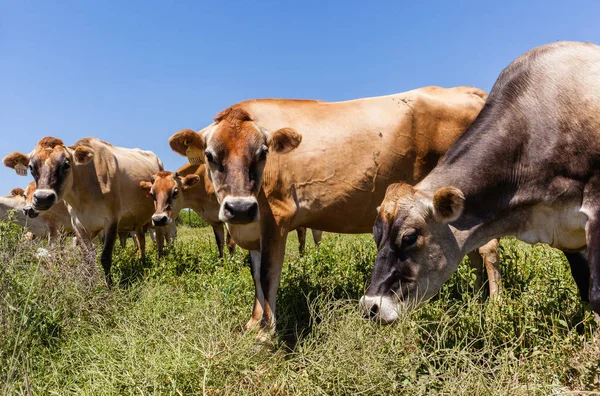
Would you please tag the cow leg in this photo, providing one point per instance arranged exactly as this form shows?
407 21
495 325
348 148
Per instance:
123 239
159 236
140 239
317 236
301 239
593 250
110 237
477 264
271 264
219 237
259 297
580 270
491 260
230 243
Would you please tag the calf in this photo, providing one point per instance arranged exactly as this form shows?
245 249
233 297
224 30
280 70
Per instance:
529 166
99 182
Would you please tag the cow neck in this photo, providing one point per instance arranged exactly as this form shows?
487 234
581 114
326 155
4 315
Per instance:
484 164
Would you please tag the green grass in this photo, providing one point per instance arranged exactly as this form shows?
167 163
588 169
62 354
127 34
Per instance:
174 325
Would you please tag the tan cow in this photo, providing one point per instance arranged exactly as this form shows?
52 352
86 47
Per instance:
328 165
99 182
190 187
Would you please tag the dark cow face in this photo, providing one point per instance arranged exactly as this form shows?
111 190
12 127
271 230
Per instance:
50 164
416 250
167 188
28 209
235 150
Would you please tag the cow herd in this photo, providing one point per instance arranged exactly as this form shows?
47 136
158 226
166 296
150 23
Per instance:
435 174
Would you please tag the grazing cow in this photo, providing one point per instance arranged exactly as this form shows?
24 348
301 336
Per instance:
280 164
529 166
99 182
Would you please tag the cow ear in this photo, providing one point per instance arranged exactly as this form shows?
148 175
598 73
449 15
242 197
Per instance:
190 144
284 140
448 204
147 186
17 192
18 162
190 181
83 155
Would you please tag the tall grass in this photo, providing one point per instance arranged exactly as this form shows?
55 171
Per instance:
173 325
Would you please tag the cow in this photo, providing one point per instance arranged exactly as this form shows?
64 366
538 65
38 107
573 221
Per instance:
529 166
99 182
172 192
279 164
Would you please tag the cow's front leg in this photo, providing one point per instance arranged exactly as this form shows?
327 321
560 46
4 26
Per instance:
110 236
580 270
272 254
219 237
593 248
259 297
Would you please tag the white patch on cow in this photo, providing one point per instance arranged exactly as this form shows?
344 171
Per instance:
244 234
561 228
385 309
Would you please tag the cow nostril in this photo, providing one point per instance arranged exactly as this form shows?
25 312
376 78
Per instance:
228 209
373 310
252 209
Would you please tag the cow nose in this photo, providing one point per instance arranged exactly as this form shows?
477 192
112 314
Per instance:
240 211
43 199
30 212
160 220
373 311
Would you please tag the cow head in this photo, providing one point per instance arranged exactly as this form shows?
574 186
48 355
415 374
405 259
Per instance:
235 150
167 188
416 250
50 164
28 209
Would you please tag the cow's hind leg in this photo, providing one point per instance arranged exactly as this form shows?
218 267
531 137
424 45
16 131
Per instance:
491 260
110 237
317 236
301 231
140 239
259 297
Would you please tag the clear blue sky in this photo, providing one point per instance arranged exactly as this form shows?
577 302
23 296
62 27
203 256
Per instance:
135 72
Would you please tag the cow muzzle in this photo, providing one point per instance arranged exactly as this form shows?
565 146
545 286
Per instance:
160 220
30 212
381 309
239 210
43 199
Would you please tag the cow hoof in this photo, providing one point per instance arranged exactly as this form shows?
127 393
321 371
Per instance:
253 324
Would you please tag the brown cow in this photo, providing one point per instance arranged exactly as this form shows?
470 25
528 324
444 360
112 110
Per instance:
100 183
528 167
173 192
328 165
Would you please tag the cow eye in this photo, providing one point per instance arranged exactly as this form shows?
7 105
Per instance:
409 238
209 157
66 165
263 153
175 192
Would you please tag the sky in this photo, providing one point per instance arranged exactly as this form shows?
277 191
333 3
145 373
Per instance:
135 72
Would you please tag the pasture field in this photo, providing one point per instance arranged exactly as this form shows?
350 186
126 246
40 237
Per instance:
173 325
